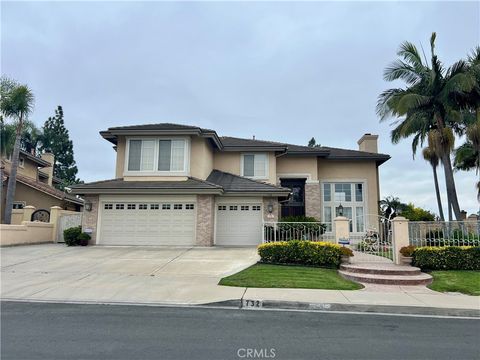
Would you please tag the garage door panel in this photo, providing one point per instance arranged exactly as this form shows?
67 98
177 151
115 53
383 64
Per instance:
239 224
145 223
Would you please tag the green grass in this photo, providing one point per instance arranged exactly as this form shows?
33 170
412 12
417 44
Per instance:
463 281
284 276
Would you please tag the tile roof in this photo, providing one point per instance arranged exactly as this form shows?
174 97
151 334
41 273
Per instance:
234 183
160 126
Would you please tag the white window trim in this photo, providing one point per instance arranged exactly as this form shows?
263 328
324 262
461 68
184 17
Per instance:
186 165
267 172
351 204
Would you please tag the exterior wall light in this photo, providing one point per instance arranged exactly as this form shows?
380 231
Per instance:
340 210
88 205
270 207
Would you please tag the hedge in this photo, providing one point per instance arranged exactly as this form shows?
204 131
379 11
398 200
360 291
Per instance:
447 258
310 253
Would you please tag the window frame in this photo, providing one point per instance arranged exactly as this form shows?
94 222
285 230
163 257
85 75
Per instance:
155 172
267 160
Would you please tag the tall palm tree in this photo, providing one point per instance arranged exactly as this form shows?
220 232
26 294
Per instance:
430 156
425 104
16 103
467 156
391 207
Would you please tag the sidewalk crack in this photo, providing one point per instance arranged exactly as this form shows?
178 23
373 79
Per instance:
170 261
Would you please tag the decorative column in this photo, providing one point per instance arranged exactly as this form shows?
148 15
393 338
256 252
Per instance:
54 218
27 212
400 236
341 228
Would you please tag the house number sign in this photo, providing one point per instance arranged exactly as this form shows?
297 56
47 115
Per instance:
251 303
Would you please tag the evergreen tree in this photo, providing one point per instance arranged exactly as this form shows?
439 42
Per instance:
312 142
56 139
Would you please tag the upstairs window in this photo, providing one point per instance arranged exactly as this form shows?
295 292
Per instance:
255 165
162 155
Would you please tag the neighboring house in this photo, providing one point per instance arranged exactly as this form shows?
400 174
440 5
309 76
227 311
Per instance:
184 185
35 184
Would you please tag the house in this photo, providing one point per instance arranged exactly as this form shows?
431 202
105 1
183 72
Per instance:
184 185
35 184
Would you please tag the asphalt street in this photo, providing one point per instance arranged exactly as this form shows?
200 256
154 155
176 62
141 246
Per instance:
73 331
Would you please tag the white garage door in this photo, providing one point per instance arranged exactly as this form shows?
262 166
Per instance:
147 223
239 224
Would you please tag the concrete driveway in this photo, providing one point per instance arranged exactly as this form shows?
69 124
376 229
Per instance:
121 274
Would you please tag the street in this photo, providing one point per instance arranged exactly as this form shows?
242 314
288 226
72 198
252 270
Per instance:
72 331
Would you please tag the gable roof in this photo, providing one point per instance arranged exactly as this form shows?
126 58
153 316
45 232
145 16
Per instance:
237 184
35 159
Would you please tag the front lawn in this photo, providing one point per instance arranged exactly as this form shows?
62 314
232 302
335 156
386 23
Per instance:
283 276
463 281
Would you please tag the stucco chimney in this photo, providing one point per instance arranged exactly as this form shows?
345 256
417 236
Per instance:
48 156
368 143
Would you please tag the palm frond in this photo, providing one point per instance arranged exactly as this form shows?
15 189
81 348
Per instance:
386 103
409 102
403 71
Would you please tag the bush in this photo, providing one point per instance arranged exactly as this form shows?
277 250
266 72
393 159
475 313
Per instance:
301 252
71 235
407 251
346 251
447 258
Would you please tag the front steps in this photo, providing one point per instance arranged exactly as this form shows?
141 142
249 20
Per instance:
384 273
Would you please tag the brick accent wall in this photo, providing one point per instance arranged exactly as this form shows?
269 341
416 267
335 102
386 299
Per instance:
90 218
312 200
266 201
205 220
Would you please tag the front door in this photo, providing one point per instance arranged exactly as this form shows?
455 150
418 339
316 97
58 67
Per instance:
296 204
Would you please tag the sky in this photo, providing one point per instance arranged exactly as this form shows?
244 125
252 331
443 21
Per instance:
282 71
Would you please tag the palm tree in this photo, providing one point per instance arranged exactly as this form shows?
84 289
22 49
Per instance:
391 207
426 103
16 103
467 156
430 156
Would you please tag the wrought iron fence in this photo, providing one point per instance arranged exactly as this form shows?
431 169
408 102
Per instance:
286 231
444 233
375 244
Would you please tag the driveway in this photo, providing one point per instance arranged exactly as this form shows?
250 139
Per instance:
121 274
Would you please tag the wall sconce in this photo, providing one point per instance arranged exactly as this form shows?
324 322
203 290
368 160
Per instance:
270 207
340 210
88 205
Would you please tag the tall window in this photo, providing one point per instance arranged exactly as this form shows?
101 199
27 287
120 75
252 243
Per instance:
255 165
151 155
351 197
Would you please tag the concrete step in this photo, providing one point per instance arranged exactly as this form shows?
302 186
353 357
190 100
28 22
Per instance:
412 279
380 269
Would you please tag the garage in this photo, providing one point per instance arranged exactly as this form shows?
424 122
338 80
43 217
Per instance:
239 224
147 223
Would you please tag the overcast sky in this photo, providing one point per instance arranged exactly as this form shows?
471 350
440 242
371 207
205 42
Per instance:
279 71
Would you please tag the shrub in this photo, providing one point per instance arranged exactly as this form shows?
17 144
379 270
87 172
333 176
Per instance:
407 251
71 235
447 258
301 252
83 239
345 251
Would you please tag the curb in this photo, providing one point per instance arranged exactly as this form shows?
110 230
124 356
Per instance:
352 308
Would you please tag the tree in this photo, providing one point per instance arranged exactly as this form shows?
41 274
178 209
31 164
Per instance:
391 207
313 143
430 156
428 102
413 213
467 156
56 139
16 103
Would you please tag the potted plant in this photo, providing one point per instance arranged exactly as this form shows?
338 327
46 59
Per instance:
407 252
83 239
346 254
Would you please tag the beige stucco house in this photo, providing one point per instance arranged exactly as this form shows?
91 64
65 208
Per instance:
36 185
184 185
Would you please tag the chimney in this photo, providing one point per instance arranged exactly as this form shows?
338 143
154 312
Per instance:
368 143
48 156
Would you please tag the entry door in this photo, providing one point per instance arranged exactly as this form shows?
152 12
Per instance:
239 224
296 204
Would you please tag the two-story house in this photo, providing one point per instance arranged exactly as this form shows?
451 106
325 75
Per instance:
184 185
36 184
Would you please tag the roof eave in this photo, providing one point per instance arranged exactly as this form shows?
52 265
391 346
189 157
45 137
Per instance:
152 191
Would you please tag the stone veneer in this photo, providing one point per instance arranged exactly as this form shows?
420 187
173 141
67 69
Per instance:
90 218
266 215
312 200
205 220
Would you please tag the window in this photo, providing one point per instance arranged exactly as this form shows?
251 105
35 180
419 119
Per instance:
119 206
177 207
255 165
108 206
151 155
233 207
154 206
327 192
256 207
165 206
347 212
19 204
131 206
343 192
244 207
142 207
222 207
359 219
327 217
21 162
359 192
189 206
